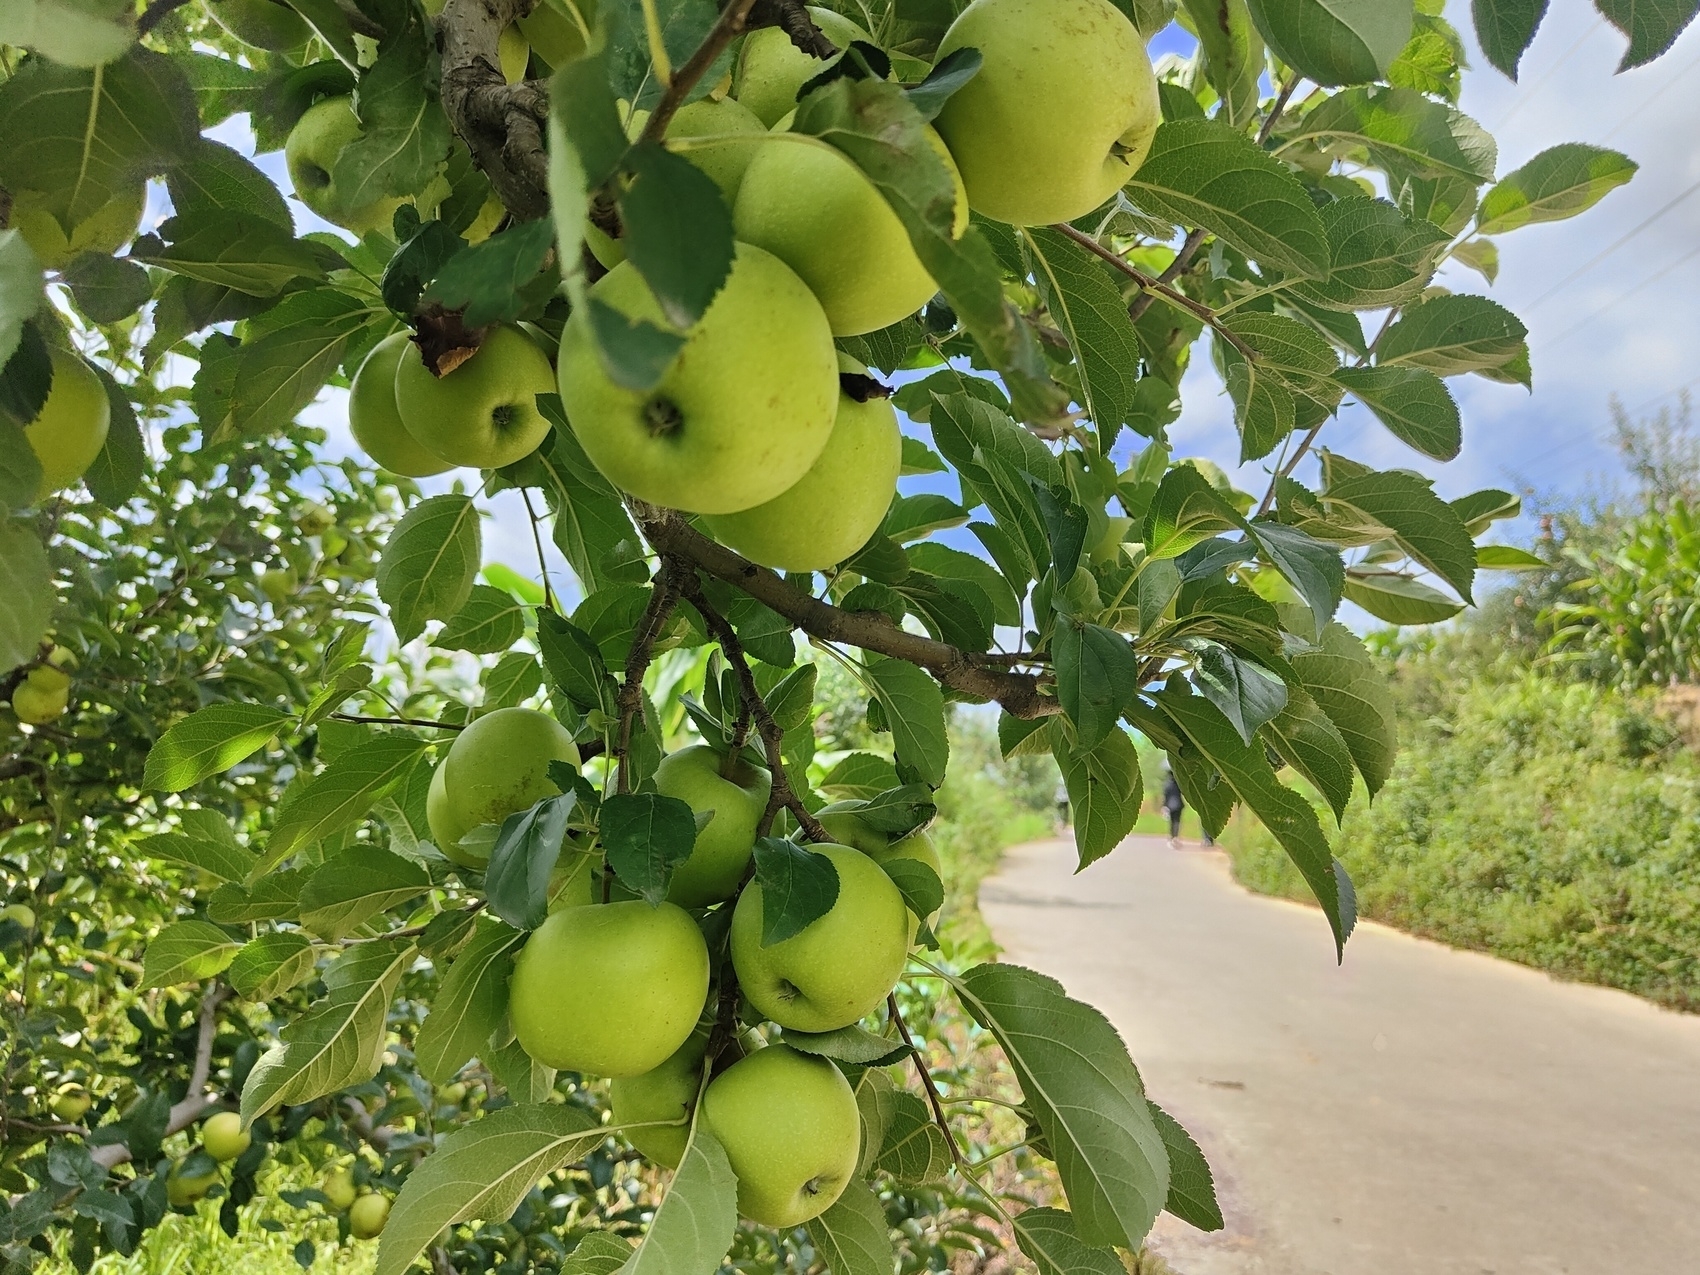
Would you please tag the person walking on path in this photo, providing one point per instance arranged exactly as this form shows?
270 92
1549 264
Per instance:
1174 803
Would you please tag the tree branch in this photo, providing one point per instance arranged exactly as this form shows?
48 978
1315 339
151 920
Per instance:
1174 270
664 596
727 27
792 17
1020 694
1280 104
394 721
933 1098
501 123
196 1101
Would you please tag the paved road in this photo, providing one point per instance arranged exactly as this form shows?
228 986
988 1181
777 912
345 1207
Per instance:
1419 1110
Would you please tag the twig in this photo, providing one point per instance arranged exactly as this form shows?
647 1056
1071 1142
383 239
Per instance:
394 721
537 539
1173 271
1020 694
664 596
1280 104
792 17
921 1070
196 1100
780 795
154 14
727 27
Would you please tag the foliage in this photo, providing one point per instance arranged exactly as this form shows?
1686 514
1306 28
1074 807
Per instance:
226 889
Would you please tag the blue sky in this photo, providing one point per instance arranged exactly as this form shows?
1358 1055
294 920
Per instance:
1626 325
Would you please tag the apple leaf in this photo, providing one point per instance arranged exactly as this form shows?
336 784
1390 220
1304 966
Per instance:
914 1150
575 666
430 562
470 1002
187 952
598 1253
483 1170
646 837
404 134
348 787
852 1237
1049 1239
1314 568
1651 25
1335 41
216 859
1192 1187
1412 402
1248 694
913 704
492 620
634 352
894 811
1560 182
20 289
853 1044
922 891
272 964
486 281
1506 28
1105 789
525 853
694 1226
1085 302
798 887
1097 674
678 231
207 742
351 888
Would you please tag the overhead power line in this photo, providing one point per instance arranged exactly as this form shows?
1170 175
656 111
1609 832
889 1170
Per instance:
1606 252
1622 297
1529 93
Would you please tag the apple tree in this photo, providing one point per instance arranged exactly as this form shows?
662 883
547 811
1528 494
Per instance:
317 842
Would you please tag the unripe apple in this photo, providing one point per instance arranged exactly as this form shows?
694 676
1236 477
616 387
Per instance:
452 1095
1061 113
22 913
851 482
105 230
841 966
314 519
279 584
574 882
484 413
311 152
375 420
667 1092
722 849
850 829
72 1102
265 24
367 1215
771 69
741 414
70 429
809 205
223 1137
790 1127
554 36
338 1188
611 989
183 1191
42 697
497 766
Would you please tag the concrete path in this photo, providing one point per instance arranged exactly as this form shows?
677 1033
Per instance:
1418 1110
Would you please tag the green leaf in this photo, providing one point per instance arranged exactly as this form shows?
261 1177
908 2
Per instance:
272 964
895 811
1085 1094
71 32
1651 25
1048 1238
1403 130
187 952
1290 385
1379 256
1398 598
21 290
918 516
471 1002
923 892
523 859
216 178
1449 335
27 600
289 354
592 529
1312 745
1233 60
492 620
20 470
360 883
953 565
1508 558
1247 773
913 704
681 25
1192 1189
575 665
339 796
798 887
1412 402
859 775
107 289
854 1045
913 1150
1505 28
1097 674
598 1253
1344 681
486 279
1481 509
515 679
118 468
1247 694
1313 567
852 1237
1085 302
207 742
232 250
1186 510
1425 526
215 858
404 134
430 562
1335 42
339 1041
1560 182
647 836
1204 173
678 231
271 898
525 1079
634 352
482 1170
694 1226
1105 791
80 137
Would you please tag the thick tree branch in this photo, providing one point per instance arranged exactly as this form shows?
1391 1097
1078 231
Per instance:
1020 694
501 123
196 1101
792 17
726 28
921 1070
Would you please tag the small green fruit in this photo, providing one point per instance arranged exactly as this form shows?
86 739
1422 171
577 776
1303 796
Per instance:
223 1136
496 767
375 420
338 1187
484 413
452 1095
22 913
367 1215
72 1102
279 584
184 1192
42 697
771 69
105 230
317 140
69 431
722 849
666 1093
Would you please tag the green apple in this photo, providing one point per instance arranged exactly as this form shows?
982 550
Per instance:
367 1215
184 1191
314 519
42 697
771 69
554 36
265 24
484 224
69 431
851 830
612 989
72 1102
1061 113
790 1127
666 1093
279 584
311 152
852 482
484 413
574 882
223 1137
741 414
375 420
24 915
514 50
338 1187
841 966
722 850
497 766
105 230
809 205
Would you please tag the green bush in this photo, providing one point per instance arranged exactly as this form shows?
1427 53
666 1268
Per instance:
1556 824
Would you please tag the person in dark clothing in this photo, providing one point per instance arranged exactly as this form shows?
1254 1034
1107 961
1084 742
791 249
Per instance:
1174 803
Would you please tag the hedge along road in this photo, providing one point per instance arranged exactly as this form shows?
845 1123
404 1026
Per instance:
1417 1110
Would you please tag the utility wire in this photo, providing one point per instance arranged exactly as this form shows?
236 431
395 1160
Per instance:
1530 92
1680 77
1657 398
1642 286
1606 252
